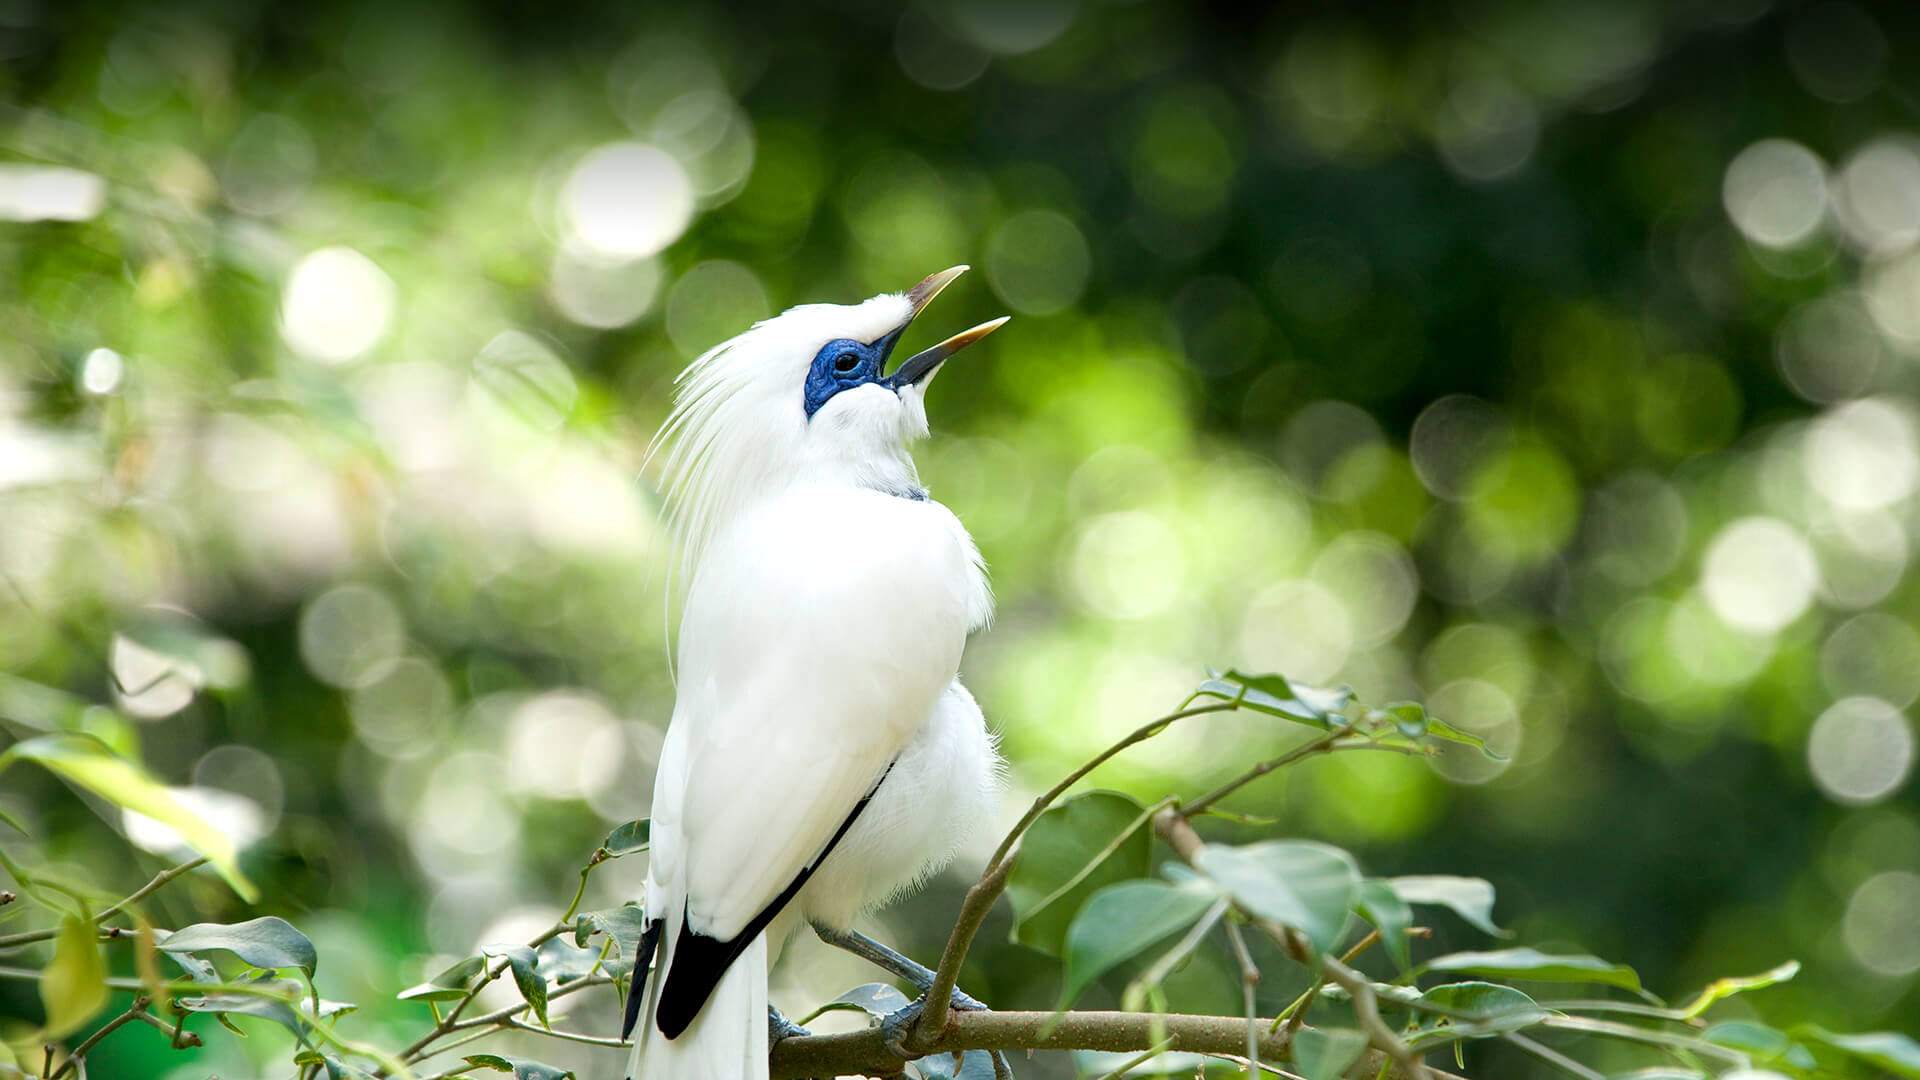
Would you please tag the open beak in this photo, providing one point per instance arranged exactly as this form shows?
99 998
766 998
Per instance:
921 366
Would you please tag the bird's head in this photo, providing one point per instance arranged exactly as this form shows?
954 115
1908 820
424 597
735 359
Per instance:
850 403
803 395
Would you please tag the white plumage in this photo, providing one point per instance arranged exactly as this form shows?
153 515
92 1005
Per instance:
828 601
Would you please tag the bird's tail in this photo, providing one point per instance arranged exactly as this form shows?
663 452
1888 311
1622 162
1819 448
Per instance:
726 1041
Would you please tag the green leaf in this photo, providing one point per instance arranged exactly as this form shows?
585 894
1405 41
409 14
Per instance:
1764 1044
1063 861
1091 1063
1123 920
74 985
1410 717
7 816
875 999
1301 883
326 1008
524 964
1325 1053
1725 988
336 1069
973 1065
1471 898
1483 1008
562 962
200 971
1896 1053
1387 910
625 925
449 985
266 942
86 761
1532 964
632 837
1440 729
276 1008
1275 696
521 1068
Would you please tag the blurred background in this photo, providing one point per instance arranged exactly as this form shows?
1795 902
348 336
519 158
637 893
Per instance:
1555 364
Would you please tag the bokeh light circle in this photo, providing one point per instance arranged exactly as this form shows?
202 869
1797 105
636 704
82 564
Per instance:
1892 288
1375 579
350 634
1879 927
1829 348
1860 750
1486 129
1759 574
712 302
1874 653
405 711
564 745
1038 262
1127 565
1862 455
1776 193
1877 195
1451 438
1836 51
603 295
626 200
1298 627
336 305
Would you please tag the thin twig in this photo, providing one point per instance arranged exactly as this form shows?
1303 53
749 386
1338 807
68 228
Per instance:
571 1036
1172 958
176 1038
1249 979
1317 745
1645 1035
1552 1056
160 879
80 1052
1141 1058
1360 946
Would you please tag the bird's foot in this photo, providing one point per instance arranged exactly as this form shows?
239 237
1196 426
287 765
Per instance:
895 1026
779 1027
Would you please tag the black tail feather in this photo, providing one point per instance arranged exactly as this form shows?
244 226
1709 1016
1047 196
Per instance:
637 987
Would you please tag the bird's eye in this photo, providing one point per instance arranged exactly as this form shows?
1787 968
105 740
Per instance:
846 362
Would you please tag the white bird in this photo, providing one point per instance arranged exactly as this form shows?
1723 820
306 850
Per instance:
822 756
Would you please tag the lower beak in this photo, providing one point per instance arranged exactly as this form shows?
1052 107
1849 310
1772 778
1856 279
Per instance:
921 366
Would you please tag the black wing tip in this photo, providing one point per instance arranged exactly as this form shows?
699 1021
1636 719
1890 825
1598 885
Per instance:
698 962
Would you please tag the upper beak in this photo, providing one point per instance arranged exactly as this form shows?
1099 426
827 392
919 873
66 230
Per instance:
921 366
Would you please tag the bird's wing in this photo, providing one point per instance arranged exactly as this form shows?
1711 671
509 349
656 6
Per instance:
816 639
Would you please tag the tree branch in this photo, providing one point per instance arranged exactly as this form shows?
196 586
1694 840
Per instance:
865 1052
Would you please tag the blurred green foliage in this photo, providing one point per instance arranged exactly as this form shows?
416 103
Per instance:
1554 364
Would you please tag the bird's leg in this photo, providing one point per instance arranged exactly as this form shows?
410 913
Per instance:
894 1026
879 955
779 1027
